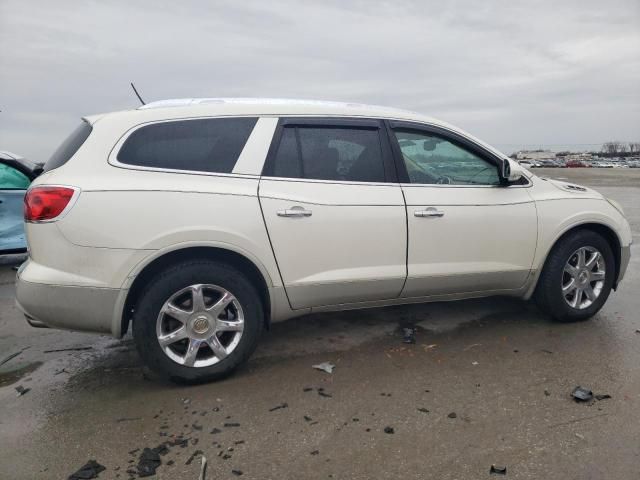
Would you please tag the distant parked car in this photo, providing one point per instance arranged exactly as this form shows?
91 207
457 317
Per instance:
202 221
16 173
576 164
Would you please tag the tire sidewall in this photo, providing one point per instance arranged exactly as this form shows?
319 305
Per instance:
552 276
171 281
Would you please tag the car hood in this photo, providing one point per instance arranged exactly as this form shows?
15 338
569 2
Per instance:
573 189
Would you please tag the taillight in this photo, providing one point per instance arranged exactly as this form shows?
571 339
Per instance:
42 204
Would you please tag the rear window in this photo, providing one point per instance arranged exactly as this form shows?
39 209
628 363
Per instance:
69 147
204 145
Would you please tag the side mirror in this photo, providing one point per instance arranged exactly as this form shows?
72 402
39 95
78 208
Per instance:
510 172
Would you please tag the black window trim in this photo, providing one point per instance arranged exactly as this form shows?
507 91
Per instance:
448 135
332 122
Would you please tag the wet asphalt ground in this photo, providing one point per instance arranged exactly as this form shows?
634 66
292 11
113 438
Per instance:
502 368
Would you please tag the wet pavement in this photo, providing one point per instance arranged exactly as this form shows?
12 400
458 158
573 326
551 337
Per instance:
505 370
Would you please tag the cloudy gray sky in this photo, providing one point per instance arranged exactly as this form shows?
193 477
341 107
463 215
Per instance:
510 72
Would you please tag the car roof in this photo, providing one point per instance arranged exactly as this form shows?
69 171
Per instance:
179 108
26 166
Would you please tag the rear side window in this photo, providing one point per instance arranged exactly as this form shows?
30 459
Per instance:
205 145
330 153
69 147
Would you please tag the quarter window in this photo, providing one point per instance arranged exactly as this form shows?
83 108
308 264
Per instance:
205 145
431 159
330 153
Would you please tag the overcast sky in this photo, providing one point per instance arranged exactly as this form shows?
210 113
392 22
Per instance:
512 73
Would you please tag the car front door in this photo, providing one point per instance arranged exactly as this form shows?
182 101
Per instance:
467 232
334 211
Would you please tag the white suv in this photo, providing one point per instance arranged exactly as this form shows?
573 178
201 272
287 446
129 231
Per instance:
200 221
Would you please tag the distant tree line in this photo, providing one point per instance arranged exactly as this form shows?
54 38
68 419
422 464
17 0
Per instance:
614 149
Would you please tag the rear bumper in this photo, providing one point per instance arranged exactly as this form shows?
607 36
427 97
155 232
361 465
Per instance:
67 307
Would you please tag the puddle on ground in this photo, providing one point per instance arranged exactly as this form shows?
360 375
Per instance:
10 377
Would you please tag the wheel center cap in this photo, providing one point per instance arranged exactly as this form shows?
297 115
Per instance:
201 324
583 277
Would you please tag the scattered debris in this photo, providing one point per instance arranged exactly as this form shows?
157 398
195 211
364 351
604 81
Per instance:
9 357
148 463
429 347
581 437
307 418
423 410
203 468
409 335
325 367
603 396
73 349
544 350
473 345
238 442
237 473
474 363
307 389
231 424
215 431
389 430
547 393
21 390
193 457
453 415
581 394
128 419
278 407
197 427
322 393
498 470
62 370
91 469
315 452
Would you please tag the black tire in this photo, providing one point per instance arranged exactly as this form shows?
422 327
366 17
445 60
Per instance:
172 280
548 294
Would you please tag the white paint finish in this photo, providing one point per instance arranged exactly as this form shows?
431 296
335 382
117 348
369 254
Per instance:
485 240
352 247
254 153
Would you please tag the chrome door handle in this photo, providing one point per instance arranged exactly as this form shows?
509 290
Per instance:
429 212
294 212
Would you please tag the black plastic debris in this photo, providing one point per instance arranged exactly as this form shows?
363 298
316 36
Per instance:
408 335
279 407
76 349
547 393
215 431
603 396
148 462
232 424
389 430
315 452
453 415
498 470
307 389
91 469
423 410
21 390
581 394
307 418
237 473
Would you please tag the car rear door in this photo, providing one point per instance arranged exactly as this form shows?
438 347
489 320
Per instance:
467 233
334 212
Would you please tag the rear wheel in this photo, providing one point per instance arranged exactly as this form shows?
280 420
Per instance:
197 321
577 277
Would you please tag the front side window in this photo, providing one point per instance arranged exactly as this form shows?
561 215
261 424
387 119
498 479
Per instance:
204 145
12 179
431 159
330 153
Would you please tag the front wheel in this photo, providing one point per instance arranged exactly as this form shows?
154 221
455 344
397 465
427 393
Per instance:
197 321
577 277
